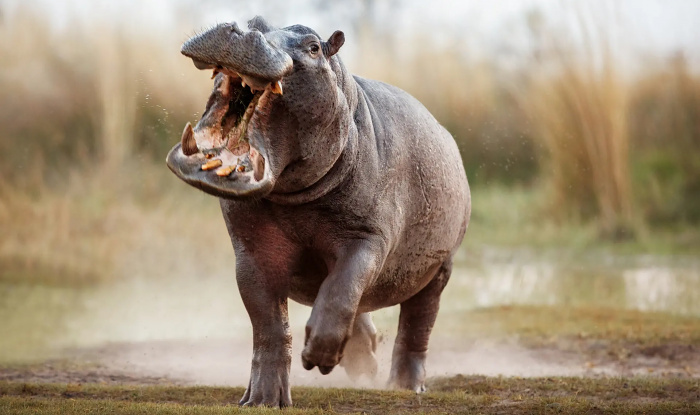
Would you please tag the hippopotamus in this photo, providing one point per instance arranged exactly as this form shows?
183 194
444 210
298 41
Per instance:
338 192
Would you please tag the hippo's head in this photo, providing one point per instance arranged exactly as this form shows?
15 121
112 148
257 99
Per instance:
272 121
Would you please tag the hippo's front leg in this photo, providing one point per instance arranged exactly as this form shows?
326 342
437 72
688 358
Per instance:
265 298
330 325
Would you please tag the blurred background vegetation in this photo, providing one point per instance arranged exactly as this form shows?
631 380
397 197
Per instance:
564 141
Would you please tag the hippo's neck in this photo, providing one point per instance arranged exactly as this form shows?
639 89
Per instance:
337 174
337 151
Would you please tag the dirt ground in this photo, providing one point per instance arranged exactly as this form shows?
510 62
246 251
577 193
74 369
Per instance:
227 363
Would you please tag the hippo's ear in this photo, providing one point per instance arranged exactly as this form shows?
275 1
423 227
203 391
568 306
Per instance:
332 46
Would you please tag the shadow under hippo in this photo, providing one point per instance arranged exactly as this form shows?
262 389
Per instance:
341 193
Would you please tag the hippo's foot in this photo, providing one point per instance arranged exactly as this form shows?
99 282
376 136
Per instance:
408 371
334 313
323 349
415 324
268 385
359 357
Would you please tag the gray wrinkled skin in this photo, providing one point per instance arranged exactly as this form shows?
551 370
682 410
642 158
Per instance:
363 203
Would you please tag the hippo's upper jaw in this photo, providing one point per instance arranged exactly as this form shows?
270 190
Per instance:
248 54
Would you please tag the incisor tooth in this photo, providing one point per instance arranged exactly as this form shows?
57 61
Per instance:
277 87
210 165
225 171
243 83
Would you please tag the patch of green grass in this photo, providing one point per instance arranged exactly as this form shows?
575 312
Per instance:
517 217
597 335
458 394
613 388
542 322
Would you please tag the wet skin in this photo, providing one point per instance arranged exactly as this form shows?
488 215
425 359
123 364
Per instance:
351 198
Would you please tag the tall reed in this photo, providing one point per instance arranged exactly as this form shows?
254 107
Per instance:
664 123
577 101
94 93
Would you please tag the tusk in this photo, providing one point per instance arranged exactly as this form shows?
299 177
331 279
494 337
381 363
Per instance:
277 87
240 168
210 165
243 83
213 75
258 166
189 145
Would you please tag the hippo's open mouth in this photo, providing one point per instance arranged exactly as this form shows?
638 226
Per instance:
226 153
217 156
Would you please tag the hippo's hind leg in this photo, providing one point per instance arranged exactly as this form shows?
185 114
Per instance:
416 321
359 358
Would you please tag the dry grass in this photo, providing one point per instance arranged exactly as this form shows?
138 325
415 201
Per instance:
664 113
543 323
457 395
577 101
86 123
581 121
80 98
96 227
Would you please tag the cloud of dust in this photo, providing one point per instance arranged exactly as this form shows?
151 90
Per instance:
227 362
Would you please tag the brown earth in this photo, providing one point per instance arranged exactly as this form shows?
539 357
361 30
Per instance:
226 362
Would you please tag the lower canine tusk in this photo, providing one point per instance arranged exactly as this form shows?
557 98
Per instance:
189 145
277 87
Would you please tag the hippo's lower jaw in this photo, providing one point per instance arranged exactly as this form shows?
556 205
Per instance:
244 176
226 164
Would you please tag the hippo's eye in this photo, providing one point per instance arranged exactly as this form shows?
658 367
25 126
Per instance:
314 49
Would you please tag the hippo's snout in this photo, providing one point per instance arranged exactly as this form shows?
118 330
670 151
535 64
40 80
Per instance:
247 54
